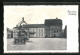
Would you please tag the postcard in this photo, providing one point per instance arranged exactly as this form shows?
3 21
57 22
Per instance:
41 29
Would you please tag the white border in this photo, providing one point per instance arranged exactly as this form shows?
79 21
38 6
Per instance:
72 37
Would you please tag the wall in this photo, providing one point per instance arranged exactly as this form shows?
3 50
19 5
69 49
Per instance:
53 31
39 32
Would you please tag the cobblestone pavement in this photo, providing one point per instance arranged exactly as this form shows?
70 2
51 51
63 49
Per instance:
39 44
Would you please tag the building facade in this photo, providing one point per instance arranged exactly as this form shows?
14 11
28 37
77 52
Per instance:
51 28
9 33
38 29
65 32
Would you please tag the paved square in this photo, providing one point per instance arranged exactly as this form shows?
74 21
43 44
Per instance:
39 44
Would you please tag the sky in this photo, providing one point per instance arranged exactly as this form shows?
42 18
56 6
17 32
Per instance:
35 14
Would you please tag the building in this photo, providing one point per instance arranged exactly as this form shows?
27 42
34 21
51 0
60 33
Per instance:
38 29
51 28
9 33
32 30
65 32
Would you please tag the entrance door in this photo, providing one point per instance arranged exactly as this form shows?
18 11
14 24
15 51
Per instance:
54 35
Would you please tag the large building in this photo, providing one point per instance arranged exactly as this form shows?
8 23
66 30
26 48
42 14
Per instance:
37 29
51 28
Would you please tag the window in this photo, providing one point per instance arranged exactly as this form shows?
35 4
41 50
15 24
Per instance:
41 30
39 34
50 26
57 26
60 30
54 30
53 26
34 29
42 34
54 34
38 30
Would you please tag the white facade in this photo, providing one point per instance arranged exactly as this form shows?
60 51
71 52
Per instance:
38 32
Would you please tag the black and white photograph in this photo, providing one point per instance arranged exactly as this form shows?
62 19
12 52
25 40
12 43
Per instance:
40 28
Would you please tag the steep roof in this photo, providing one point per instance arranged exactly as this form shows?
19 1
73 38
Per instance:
49 22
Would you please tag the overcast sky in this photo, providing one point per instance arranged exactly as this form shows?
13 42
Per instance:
35 14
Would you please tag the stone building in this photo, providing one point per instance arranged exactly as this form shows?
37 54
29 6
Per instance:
51 28
32 30
38 29
65 32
